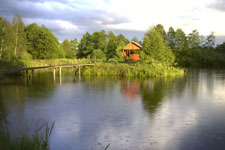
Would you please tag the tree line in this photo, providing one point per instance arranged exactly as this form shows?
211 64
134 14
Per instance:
174 46
20 42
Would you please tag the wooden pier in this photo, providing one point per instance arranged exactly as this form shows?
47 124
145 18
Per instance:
30 70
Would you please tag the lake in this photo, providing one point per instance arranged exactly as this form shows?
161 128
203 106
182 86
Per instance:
129 114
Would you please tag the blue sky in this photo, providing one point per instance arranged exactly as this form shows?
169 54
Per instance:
72 18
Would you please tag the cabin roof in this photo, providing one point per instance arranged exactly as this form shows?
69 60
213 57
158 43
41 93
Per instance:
132 46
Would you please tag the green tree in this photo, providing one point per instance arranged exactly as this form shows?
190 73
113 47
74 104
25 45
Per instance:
121 42
98 42
160 29
221 48
194 40
4 27
122 38
67 48
210 41
119 52
20 36
180 40
171 38
111 46
98 54
135 40
42 43
155 48
83 50
74 46
33 33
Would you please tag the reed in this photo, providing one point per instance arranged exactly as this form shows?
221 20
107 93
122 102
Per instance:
132 70
39 140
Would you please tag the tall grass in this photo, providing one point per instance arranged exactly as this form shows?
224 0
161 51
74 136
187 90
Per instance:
51 62
39 140
132 70
115 67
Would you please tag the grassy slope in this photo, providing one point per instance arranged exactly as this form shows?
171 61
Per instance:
115 68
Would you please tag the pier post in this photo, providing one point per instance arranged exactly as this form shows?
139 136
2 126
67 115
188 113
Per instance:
54 75
79 70
32 73
60 80
27 73
74 68
59 71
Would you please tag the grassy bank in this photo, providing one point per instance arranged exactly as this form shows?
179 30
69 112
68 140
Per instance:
115 68
131 70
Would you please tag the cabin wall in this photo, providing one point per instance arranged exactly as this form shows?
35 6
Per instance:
135 57
132 57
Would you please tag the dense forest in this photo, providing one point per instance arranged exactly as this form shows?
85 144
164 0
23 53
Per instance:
19 44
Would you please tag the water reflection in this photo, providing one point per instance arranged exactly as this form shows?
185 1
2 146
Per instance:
90 113
153 92
16 92
131 89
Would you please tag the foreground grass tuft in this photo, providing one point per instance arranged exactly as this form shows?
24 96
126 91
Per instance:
38 141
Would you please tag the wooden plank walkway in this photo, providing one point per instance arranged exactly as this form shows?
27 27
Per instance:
45 67
30 70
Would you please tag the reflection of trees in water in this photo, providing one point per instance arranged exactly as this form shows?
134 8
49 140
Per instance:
13 96
99 84
199 81
154 91
15 90
41 86
193 82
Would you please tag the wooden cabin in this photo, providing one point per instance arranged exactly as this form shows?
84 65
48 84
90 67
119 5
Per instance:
132 51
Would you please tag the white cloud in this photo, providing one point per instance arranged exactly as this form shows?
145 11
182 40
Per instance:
67 16
58 26
188 15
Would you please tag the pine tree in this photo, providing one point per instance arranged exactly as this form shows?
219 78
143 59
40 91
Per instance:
180 41
83 51
194 40
210 41
171 38
160 29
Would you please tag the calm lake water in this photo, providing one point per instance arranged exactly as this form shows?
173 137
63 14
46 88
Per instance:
90 113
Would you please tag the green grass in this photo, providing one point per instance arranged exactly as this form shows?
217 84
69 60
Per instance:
131 70
39 140
115 67
51 62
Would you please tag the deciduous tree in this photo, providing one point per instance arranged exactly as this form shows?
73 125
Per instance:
19 34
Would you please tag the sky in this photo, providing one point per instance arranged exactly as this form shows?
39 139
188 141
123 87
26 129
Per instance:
72 18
